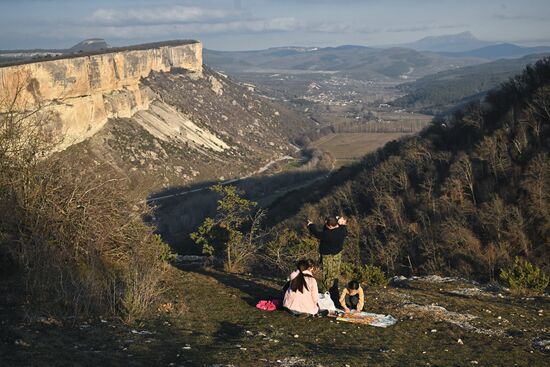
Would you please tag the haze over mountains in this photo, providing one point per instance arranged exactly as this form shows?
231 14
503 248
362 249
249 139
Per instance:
426 56
356 61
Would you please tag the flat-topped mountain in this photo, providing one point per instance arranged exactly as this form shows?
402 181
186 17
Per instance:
448 43
90 45
82 92
153 112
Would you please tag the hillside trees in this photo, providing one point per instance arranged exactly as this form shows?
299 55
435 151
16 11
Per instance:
464 197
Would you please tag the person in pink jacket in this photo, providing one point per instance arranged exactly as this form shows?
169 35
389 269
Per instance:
302 295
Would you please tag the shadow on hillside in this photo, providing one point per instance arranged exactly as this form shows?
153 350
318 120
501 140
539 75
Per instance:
178 211
253 291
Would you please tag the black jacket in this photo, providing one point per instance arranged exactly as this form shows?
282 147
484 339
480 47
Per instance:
331 240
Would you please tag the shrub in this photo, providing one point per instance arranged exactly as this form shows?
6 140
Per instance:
523 277
368 275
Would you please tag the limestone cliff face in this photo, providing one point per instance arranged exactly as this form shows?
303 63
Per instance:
82 93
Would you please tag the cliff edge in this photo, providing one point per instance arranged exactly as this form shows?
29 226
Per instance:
81 92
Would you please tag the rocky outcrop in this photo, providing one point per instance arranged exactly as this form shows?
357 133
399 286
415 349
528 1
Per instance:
81 93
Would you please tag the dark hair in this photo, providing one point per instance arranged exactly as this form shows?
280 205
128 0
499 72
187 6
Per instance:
299 281
354 285
331 221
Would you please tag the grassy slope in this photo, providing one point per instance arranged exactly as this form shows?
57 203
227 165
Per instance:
222 327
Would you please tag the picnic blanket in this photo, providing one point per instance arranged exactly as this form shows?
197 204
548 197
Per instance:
366 318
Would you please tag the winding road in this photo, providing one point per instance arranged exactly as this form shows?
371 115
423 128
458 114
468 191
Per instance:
257 172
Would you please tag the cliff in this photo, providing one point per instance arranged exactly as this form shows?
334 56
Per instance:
81 92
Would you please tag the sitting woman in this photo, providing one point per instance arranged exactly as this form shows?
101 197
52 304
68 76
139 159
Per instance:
352 298
302 295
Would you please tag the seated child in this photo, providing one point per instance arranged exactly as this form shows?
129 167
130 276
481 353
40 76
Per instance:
302 295
352 297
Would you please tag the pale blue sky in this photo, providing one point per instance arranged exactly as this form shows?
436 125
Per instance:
248 24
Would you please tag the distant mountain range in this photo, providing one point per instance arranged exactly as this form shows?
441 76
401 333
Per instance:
352 61
465 44
90 45
406 61
501 51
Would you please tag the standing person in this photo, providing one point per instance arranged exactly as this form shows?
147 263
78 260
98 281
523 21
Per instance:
302 294
331 242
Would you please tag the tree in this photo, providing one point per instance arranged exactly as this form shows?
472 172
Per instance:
235 233
463 171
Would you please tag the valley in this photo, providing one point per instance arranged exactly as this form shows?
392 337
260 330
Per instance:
437 158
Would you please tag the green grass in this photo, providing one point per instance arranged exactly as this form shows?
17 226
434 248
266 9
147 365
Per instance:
222 326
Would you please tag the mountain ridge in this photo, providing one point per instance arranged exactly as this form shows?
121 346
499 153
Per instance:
500 51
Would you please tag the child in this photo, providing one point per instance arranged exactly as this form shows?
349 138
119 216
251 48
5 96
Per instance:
352 297
302 295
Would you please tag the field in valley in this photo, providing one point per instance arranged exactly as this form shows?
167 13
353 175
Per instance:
347 148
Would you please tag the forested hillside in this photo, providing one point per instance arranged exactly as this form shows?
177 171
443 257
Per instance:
438 93
464 197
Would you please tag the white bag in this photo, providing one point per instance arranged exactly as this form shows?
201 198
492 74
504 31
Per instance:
325 302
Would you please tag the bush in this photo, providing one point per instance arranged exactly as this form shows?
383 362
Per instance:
283 251
523 277
82 246
368 275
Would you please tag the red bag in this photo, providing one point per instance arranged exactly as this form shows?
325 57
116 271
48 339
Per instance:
268 305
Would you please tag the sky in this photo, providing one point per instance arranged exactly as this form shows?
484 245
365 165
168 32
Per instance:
259 24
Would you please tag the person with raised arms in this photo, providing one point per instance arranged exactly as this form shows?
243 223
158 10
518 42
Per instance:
331 242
